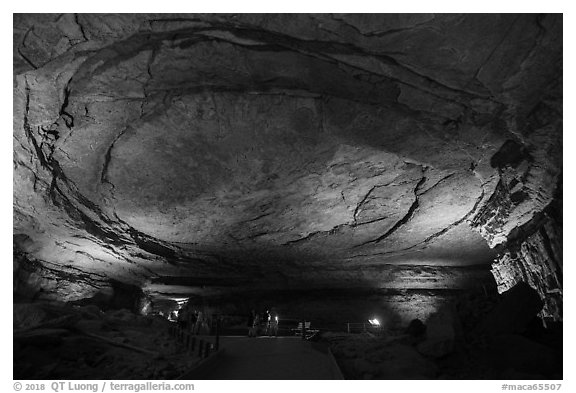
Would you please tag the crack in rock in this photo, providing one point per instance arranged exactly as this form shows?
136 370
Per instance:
404 219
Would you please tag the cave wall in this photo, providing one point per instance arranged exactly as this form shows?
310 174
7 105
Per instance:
528 237
536 258
339 146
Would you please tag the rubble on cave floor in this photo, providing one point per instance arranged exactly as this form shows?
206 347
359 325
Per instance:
60 341
458 345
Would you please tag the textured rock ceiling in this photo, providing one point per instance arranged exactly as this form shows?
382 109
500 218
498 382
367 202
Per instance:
279 151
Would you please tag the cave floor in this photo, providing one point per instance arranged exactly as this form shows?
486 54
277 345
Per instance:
272 358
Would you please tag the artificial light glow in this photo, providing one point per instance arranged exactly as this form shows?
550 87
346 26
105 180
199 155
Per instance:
374 322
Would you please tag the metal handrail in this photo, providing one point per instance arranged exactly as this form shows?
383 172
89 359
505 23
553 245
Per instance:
190 336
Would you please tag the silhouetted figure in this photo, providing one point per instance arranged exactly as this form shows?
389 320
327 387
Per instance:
255 325
182 318
199 321
192 321
272 327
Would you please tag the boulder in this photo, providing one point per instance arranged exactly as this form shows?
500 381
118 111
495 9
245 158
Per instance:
440 334
27 315
416 328
513 314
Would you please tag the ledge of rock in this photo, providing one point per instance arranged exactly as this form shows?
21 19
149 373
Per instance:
180 153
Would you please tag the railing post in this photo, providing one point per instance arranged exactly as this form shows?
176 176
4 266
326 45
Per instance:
201 349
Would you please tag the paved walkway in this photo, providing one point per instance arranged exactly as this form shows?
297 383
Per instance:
272 358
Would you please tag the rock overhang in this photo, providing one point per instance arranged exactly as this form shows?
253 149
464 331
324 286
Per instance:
210 147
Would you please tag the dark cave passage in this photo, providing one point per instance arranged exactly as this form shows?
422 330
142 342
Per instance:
182 180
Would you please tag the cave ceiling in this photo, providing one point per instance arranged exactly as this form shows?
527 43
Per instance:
179 152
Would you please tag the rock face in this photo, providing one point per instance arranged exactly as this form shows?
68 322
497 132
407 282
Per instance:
284 151
536 260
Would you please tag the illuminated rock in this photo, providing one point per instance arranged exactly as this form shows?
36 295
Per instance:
282 151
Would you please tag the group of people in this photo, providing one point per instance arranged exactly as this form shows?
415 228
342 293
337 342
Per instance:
193 320
264 323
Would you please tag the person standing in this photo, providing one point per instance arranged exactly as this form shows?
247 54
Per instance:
183 318
273 323
193 317
251 324
255 325
267 322
199 321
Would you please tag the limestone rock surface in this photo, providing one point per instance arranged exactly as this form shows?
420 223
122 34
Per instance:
279 151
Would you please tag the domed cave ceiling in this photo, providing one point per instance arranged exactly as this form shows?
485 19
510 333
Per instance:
184 153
